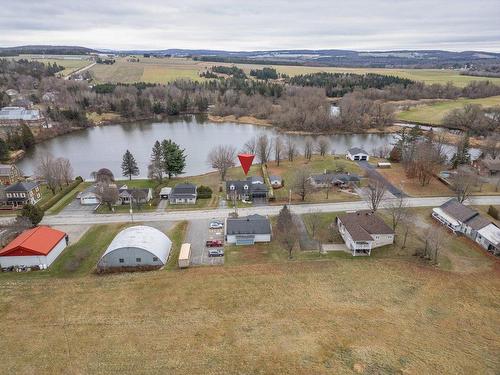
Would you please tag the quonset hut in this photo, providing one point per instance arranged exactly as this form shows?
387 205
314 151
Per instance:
138 247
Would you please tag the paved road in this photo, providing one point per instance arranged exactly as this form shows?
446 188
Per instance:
264 210
372 172
81 70
197 235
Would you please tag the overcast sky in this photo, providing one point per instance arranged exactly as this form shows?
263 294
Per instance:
254 25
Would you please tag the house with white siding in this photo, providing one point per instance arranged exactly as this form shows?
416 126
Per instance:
363 231
357 154
247 230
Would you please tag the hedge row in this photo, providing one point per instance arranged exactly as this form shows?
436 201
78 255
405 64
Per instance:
56 198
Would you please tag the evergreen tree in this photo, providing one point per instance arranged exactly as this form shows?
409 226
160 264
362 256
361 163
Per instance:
129 165
173 158
156 165
462 156
33 213
4 150
27 137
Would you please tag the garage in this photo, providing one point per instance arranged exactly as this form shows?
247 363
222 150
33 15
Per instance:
137 247
39 246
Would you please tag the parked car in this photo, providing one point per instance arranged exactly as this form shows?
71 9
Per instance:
216 225
216 252
213 243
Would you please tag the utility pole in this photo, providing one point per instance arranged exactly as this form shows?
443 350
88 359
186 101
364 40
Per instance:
290 197
131 211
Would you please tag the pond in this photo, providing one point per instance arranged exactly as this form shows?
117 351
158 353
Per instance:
103 147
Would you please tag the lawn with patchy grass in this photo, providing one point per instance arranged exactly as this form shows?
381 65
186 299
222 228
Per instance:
435 112
176 235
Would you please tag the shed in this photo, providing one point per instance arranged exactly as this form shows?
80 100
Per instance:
34 247
136 247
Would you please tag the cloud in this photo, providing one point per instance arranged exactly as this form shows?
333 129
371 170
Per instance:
251 25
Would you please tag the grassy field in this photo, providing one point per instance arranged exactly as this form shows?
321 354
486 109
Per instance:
157 70
434 113
70 65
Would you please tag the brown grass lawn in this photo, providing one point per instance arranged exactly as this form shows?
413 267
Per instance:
383 316
396 175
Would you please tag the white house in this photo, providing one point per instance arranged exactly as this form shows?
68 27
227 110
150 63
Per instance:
248 230
461 219
363 231
34 247
183 194
356 154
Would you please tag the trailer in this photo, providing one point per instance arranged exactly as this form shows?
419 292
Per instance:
184 255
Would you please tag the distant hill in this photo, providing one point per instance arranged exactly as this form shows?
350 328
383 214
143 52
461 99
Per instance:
334 57
45 50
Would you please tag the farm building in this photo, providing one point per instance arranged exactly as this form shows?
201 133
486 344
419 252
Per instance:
356 154
363 231
19 113
34 247
136 247
248 230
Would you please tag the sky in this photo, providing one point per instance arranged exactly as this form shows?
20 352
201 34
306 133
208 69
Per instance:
455 25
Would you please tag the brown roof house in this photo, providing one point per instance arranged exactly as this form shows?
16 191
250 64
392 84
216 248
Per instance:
487 166
9 174
363 231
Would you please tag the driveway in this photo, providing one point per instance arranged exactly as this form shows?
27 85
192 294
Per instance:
197 235
162 205
75 208
371 172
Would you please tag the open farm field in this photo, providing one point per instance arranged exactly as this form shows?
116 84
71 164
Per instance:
435 112
163 70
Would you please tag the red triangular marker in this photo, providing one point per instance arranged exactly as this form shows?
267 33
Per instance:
246 161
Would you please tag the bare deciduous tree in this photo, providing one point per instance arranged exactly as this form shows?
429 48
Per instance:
65 170
313 222
279 147
222 158
375 193
250 146
308 148
286 230
433 242
263 148
108 194
323 145
491 146
291 149
53 171
398 208
463 182
301 184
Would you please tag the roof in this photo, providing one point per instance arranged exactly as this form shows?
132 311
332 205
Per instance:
19 113
142 237
252 224
185 251
478 222
446 217
458 211
335 177
255 179
23 186
239 186
356 150
5 169
165 190
274 178
361 225
184 189
492 164
37 241
492 233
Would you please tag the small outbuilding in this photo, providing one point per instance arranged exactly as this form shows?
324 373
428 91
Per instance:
165 192
357 154
39 246
136 247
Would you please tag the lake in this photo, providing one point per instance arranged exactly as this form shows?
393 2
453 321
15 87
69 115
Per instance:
104 146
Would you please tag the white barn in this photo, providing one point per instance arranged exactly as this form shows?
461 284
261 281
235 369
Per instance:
135 247
38 246
357 154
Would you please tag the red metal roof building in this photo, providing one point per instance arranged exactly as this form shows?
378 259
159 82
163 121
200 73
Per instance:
37 246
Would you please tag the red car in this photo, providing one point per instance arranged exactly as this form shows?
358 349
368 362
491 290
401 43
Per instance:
213 243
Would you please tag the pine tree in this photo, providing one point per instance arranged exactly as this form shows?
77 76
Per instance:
129 165
156 165
4 150
462 156
173 158
27 137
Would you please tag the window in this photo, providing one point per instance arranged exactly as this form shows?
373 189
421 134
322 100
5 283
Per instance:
155 259
121 260
138 260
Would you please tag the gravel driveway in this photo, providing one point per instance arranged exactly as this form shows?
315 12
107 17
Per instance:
372 172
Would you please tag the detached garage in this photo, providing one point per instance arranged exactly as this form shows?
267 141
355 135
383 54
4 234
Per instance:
35 247
357 154
136 247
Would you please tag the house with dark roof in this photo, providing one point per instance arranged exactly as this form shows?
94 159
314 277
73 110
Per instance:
247 230
363 231
9 174
183 194
461 219
487 166
246 190
333 179
140 195
23 192
356 154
